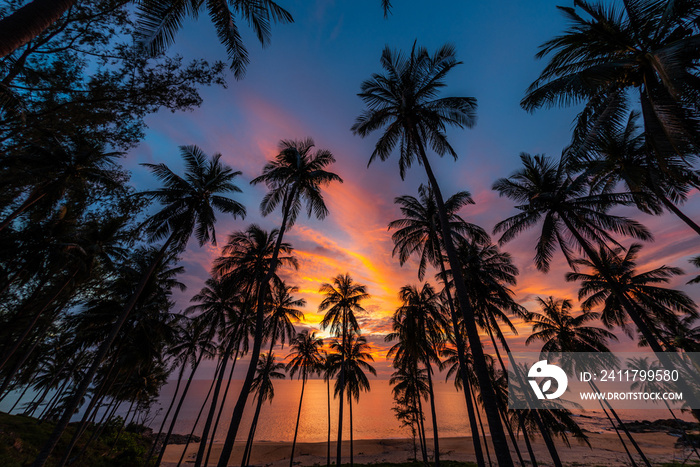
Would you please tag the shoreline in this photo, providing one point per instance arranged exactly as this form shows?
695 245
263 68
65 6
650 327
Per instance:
606 450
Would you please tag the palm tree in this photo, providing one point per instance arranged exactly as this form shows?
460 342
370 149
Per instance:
294 177
611 150
418 232
159 21
655 304
267 370
644 47
189 204
341 302
350 362
405 101
562 332
284 309
409 385
419 326
306 360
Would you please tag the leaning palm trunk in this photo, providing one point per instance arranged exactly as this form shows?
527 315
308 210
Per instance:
296 427
651 337
488 395
177 410
464 372
622 425
82 388
328 454
214 404
251 434
29 22
526 437
167 412
221 407
257 342
436 443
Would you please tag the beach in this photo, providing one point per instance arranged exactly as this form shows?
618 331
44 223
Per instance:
606 450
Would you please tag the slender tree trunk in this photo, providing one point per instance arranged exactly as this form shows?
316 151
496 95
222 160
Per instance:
464 371
488 395
526 437
674 209
196 421
328 453
511 435
36 197
483 432
5 389
26 388
257 342
31 325
624 428
421 427
167 412
296 427
436 442
341 402
632 311
212 408
82 388
251 434
351 440
221 406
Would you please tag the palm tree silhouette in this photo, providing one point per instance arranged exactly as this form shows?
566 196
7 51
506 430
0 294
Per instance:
645 48
159 21
404 101
350 362
267 370
294 177
189 204
307 361
284 309
341 302
419 326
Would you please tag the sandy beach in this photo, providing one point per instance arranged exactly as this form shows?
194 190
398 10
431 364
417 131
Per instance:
606 450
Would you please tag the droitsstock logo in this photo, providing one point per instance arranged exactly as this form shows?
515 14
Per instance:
542 369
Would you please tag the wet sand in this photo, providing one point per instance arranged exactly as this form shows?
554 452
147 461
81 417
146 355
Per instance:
606 451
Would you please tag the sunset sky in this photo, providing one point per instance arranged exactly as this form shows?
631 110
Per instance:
305 84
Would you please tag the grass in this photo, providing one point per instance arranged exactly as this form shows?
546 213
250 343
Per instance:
22 437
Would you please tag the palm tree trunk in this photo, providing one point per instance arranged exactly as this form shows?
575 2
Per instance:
257 342
251 434
31 325
21 396
624 428
35 197
339 446
177 410
28 22
483 432
488 395
461 355
82 388
212 408
421 428
548 441
627 304
674 209
350 413
296 427
511 435
199 415
436 442
328 454
167 412
526 437
221 406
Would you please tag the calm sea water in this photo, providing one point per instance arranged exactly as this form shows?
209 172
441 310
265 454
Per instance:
372 417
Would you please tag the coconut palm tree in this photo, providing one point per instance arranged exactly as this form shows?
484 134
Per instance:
654 303
350 362
409 386
306 361
268 369
561 332
189 204
404 103
419 326
643 47
341 303
293 178
159 21
284 309
418 232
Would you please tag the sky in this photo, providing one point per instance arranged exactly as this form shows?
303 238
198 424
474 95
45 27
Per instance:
305 84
